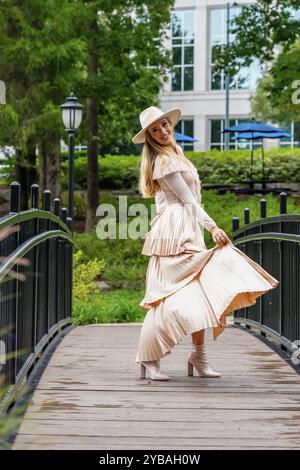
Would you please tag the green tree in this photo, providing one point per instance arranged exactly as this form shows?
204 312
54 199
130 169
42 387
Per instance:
269 31
40 58
123 38
100 49
258 30
277 96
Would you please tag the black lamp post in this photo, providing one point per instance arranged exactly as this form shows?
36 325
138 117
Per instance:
71 116
227 75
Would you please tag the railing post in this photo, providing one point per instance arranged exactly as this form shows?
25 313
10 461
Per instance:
235 223
35 205
56 209
63 284
15 197
64 213
46 207
14 304
282 203
246 222
56 204
282 211
263 215
35 196
263 208
69 263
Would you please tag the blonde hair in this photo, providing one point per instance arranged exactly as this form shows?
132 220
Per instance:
151 149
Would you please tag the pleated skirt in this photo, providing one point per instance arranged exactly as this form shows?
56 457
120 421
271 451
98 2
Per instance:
196 290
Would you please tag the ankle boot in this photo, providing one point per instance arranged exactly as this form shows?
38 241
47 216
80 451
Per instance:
153 369
198 358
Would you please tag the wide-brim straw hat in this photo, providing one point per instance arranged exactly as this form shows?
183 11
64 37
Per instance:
150 115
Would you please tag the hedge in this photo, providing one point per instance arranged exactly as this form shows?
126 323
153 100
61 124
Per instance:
122 171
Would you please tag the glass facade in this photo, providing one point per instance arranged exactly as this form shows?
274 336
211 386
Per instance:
183 31
186 126
247 77
294 129
217 138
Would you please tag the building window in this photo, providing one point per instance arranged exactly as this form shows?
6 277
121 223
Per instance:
247 77
186 127
182 75
217 138
294 129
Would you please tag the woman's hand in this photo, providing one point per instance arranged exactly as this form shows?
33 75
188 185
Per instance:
219 236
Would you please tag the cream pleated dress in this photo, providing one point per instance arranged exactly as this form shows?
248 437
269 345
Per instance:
188 287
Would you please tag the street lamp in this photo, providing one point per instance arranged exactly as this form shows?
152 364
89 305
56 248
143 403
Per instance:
71 116
227 80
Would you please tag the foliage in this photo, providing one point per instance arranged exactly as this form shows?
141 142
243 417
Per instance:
257 30
268 31
84 275
277 99
122 172
46 50
120 306
129 35
124 264
39 57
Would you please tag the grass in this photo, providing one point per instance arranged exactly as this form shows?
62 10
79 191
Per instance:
119 306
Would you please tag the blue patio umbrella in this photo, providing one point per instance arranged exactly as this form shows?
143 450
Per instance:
184 138
261 135
253 127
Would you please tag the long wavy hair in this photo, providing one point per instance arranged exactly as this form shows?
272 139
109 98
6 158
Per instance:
147 186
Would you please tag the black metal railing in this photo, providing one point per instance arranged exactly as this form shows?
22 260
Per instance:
35 285
274 243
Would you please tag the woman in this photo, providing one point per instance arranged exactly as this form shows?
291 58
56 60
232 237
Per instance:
188 287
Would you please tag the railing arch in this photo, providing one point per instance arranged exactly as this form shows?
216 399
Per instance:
36 248
274 243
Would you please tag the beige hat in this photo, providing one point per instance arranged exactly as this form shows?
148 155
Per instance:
150 115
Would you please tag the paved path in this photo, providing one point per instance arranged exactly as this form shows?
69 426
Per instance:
90 397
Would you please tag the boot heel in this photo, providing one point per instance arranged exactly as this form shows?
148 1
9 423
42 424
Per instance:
142 371
190 369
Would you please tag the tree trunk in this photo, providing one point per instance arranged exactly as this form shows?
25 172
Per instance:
50 166
31 172
21 177
92 150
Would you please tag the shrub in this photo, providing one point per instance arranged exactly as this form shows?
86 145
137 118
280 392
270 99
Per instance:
84 276
122 172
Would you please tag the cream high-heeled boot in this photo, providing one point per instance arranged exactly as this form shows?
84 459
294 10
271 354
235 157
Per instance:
198 358
153 369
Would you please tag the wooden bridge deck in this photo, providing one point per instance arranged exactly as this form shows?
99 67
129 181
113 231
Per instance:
90 397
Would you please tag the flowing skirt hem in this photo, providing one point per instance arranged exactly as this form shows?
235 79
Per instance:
238 300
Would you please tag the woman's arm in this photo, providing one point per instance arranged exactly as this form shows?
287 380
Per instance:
177 184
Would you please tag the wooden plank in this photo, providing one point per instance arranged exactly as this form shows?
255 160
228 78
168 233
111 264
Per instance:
35 442
90 397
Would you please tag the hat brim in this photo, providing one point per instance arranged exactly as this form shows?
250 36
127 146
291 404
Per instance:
173 114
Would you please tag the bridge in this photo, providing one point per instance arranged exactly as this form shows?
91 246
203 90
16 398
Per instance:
87 393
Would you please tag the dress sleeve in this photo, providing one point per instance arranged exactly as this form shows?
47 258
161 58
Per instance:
164 166
177 184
